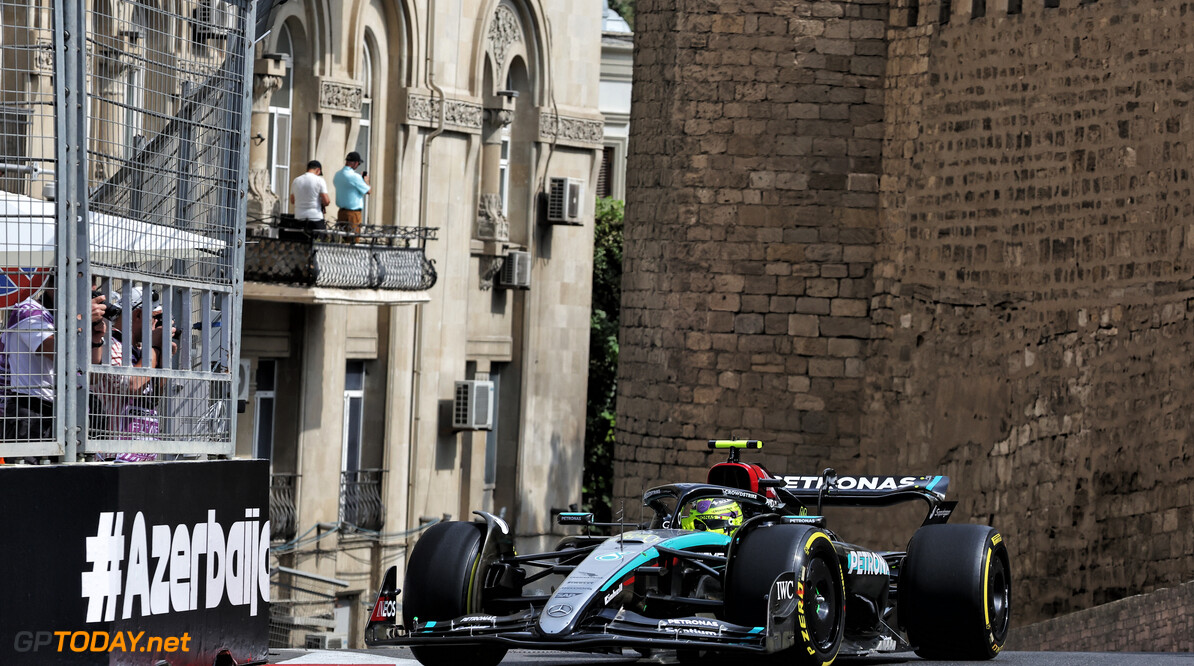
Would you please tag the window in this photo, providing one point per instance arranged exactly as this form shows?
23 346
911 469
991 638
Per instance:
134 90
1015 6
605 177
947 8
1052 4
978 9
913 13
491 437
365 134
263 409
279 123
354 413
504 170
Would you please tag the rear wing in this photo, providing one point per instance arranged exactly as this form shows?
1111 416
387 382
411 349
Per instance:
827 489
873 491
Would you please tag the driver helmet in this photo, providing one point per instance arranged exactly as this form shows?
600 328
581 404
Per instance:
719 515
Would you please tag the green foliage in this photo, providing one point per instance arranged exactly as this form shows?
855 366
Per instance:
625 9
603 357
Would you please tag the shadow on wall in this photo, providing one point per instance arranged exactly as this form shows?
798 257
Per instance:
446 440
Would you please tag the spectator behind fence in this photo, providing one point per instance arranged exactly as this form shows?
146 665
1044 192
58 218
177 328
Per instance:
351 188
28 345
129 403
309 194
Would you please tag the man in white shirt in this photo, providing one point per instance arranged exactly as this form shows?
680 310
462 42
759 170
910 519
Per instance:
309 194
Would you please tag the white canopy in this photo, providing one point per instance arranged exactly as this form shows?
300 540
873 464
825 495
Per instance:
28 239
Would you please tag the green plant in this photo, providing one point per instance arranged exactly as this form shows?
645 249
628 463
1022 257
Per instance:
600 417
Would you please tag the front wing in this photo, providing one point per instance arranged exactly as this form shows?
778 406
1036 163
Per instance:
609 628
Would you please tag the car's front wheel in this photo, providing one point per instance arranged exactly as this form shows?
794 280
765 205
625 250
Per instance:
760 556
443 582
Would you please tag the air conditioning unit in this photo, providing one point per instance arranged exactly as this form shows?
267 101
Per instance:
326 641
213 19
473 407
516 270
565 202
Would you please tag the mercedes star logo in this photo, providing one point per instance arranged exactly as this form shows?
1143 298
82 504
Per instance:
559 610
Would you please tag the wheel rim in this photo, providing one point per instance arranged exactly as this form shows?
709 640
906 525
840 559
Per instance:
827 605
999 597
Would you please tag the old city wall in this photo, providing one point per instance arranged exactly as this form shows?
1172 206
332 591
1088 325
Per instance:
1034 322
752 216
1012 307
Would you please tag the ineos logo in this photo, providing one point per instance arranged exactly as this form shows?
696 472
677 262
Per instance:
559 610
783 589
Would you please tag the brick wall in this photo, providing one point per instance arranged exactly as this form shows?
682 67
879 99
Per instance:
963 249
1034 331
1162 621
752 191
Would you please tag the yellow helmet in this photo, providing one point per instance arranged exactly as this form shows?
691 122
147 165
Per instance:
711 515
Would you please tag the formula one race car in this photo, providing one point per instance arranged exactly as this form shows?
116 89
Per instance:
733 565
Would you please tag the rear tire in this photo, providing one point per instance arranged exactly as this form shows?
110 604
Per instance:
955 592
443 582
764 553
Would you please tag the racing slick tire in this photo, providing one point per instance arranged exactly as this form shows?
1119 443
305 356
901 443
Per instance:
759 556
443 582
955 592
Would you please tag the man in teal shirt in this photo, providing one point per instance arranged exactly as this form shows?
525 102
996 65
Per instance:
351 189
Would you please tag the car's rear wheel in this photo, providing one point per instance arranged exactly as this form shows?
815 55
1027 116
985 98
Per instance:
955 592
443 582
760 556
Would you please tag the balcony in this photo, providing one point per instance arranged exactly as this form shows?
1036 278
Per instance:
283 512
292 262
360 499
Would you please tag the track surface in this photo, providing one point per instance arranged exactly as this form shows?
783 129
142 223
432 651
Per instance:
402 657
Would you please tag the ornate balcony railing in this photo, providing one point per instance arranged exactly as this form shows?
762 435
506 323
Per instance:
360 499
283 511
283 250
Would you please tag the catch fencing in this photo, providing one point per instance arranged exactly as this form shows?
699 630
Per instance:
123 158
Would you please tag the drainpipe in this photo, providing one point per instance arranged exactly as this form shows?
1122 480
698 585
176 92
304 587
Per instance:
424 184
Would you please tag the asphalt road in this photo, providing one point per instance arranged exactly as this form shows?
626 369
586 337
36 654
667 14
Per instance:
402 657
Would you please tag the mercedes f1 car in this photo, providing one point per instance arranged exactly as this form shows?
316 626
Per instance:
737 564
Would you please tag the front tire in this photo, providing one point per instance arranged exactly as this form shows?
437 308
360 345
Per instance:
760 556
444 577
955 592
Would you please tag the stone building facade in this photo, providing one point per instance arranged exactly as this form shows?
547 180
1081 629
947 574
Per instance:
925 237
463 112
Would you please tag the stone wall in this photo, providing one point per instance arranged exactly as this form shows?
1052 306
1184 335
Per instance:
1161 621
752 214
1034 333
1014 306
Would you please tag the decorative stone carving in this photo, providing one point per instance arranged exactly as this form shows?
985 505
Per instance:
340 96
491 223
422 109
43 57
572 130
262 201
495 120
264 87
504 32
490 267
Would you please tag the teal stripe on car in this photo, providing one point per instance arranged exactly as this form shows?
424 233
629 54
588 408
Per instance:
682 542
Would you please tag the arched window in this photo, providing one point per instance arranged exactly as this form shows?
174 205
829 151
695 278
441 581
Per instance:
279 122
365 133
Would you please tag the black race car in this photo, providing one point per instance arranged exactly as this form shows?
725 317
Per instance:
737 564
